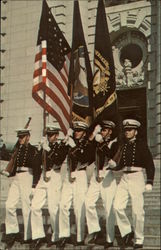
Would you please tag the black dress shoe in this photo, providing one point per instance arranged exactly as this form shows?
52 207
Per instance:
29 241
10 240
128 239
79 243
37 243
138 246
108 245
92 238
52 243
63 241
8 246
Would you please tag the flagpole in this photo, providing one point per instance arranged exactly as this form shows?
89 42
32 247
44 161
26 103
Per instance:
44 76
71 104
46 179
44 114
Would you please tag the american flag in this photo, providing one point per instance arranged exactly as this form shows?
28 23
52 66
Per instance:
50 76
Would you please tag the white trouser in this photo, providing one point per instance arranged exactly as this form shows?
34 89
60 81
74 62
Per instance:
106 189
46 191
132 185
75 192
21 187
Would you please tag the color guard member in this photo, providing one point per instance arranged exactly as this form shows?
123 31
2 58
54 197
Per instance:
75 185
23 171
135 157
49 187
102 183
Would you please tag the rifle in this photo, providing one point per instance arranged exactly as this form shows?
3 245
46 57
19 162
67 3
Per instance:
69 162
98 178
118 154
45 178
10 165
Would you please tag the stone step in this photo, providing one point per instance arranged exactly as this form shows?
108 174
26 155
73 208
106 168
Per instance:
149 204
152 202
148 200
149 229
152 230
152 195
156 189
152 234
151 240
18 246
156 178
155 184
157 181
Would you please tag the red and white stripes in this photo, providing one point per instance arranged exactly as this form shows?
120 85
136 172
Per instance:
54 83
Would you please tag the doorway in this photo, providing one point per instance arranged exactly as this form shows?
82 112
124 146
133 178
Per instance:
132 103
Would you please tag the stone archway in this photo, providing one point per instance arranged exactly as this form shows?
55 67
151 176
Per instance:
130 57
130 50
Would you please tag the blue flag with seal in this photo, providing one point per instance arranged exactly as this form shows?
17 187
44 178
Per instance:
80 73
104 85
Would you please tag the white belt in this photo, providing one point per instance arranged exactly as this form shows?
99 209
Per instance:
132 168
56 167
105 168
23 169
81 166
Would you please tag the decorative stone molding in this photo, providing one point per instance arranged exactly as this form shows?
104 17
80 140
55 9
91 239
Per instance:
130 30
135 16
130 57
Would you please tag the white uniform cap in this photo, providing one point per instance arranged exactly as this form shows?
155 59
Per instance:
51 128
22 131
108 124
131 123
80 125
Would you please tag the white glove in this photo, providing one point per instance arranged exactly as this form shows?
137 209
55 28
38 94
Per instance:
43 140
112 164
70 142
46 147
97 130
148 187
44 144
39 146
98 138
70 132
5 173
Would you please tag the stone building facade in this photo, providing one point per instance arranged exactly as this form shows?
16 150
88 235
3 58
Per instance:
134 28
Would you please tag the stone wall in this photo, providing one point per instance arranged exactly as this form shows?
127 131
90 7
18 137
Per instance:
158 81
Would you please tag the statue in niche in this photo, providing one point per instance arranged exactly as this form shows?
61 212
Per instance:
128 77
127 70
